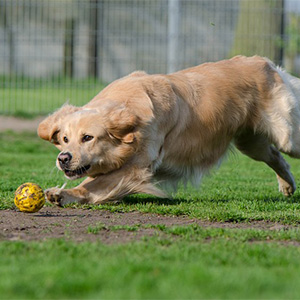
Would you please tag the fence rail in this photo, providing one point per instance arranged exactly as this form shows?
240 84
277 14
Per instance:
53 51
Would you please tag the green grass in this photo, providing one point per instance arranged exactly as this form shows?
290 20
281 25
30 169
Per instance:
27 98
151 269
178 261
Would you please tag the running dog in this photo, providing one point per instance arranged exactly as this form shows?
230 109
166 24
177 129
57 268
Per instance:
145 130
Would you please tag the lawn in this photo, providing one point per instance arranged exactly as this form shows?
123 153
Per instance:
29 98
185 262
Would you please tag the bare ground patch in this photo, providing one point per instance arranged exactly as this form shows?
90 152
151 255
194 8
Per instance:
18 124
73 224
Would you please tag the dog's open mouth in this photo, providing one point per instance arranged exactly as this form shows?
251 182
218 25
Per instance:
78 172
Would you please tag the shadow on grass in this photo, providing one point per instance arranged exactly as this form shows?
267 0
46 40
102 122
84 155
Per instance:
144 199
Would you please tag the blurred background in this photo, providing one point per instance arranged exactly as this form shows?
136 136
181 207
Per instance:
54 51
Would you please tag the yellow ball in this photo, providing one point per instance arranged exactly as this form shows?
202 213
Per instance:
29 197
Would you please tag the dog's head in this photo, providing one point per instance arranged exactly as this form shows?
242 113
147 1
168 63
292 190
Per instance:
93 141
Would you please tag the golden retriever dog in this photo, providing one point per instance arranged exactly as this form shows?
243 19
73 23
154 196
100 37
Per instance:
147 129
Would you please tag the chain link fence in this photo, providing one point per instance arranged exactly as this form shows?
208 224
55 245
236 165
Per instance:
53 51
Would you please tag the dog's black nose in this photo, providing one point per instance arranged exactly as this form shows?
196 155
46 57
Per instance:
64 159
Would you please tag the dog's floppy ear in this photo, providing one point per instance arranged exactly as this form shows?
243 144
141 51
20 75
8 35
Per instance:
121 124
50 127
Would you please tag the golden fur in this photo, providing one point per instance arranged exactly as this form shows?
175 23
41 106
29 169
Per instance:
143 129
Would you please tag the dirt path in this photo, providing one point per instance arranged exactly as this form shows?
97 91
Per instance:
19 125
73 224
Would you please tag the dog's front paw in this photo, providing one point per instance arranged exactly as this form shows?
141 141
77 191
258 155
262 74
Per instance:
54 195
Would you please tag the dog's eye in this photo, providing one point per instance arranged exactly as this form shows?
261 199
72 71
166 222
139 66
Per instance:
87 138
66 140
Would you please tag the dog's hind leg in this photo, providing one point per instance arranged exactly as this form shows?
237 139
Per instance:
259 148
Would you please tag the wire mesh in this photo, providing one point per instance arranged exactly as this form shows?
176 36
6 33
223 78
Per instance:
53 51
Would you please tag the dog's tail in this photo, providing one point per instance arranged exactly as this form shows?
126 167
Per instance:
284 114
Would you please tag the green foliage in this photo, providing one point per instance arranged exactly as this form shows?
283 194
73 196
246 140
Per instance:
258 19
292 44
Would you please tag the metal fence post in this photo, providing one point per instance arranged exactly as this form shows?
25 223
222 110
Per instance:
173 34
